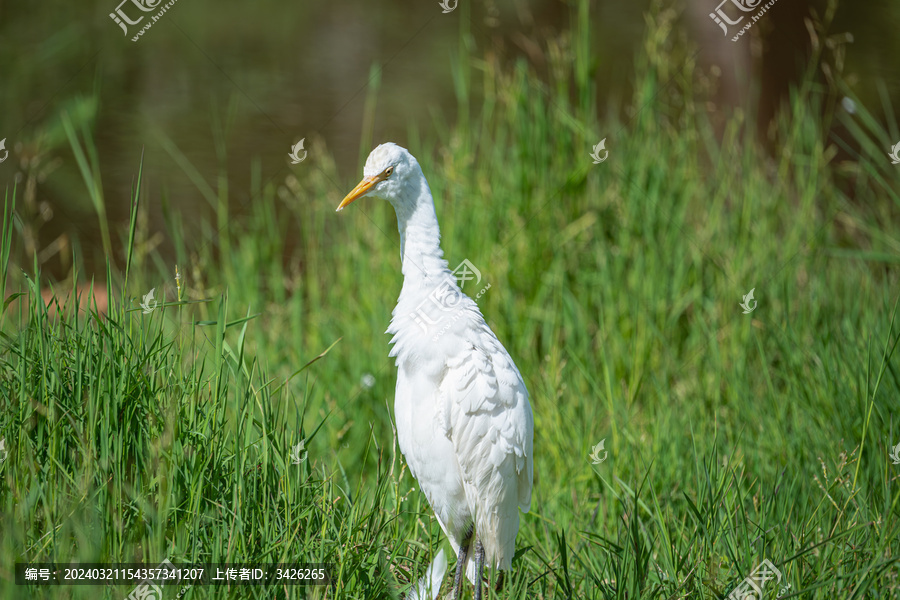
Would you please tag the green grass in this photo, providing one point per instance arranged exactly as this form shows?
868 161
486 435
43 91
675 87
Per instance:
731 438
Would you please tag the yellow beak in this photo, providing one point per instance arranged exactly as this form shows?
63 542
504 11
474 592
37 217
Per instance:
360 190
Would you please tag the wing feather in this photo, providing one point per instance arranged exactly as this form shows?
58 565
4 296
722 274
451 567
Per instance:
484 410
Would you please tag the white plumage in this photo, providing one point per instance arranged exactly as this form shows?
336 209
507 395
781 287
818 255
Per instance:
464 423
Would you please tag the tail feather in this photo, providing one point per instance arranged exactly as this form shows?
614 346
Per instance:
430 585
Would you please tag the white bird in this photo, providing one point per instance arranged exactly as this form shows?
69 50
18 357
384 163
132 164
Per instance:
464 423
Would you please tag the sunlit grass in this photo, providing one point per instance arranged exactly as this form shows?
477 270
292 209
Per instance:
732 437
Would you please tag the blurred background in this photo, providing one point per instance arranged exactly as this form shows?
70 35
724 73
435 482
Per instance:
228 88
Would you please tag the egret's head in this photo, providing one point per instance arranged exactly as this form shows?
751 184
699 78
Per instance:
391 173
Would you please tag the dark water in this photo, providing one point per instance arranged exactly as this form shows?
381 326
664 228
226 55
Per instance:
230 86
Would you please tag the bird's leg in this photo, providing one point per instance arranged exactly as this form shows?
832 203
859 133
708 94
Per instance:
461 566
498 587
479 567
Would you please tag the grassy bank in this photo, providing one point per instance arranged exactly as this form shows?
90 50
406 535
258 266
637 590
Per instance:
731 437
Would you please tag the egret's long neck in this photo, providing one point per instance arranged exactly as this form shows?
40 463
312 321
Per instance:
420 236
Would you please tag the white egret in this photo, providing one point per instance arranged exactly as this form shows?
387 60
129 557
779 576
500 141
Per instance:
464 423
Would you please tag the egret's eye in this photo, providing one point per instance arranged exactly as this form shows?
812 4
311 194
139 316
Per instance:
388 171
